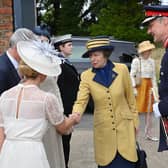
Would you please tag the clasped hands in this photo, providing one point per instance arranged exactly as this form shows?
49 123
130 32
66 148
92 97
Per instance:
76 117
72 119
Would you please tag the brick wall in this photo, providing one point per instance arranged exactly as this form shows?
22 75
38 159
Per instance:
6 23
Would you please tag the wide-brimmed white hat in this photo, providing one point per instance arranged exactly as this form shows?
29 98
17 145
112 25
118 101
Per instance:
145 46
40 56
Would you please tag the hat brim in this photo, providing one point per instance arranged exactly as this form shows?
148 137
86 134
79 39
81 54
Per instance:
101 48
147 20
151 47
37 60
59 40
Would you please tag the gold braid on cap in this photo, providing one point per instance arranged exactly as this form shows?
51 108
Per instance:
97 43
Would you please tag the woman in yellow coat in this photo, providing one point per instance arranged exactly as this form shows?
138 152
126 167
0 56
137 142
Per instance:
115 114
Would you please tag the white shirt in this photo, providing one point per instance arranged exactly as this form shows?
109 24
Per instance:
14 62
146 67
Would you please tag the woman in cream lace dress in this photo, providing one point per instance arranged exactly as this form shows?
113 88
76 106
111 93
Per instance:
25 110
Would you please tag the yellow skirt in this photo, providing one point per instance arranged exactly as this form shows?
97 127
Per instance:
144 98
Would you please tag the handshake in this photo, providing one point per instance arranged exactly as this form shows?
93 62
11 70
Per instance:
76 117
70 121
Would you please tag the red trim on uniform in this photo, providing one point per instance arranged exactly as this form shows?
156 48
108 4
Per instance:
156 13
166 43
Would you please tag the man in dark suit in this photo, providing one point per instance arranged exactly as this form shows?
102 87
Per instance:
9 60
157 25
68 83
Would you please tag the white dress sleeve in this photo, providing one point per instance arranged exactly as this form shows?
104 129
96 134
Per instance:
52 139
54 109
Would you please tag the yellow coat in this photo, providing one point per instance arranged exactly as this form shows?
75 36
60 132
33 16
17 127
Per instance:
115 115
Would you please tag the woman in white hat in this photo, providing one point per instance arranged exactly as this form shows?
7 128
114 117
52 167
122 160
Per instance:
115 115
25 109
143 80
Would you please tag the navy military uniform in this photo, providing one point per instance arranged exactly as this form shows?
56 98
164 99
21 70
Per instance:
163 93
152 13
68 83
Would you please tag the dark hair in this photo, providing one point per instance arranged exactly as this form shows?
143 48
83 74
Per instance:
43 30
107 53
57 46
61 43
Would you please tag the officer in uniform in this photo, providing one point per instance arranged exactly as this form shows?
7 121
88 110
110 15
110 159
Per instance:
68 83
157 25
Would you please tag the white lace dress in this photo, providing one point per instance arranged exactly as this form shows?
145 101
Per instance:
24 114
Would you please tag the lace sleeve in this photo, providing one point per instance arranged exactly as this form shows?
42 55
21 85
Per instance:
54 109
1 117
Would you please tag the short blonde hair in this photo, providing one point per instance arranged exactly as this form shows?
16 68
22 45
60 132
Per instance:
26 71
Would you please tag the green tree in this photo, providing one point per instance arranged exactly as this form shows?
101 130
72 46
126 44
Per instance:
63 16
52 13
118 18
70 16
120 21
